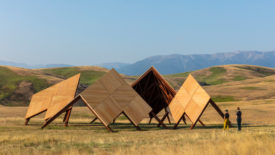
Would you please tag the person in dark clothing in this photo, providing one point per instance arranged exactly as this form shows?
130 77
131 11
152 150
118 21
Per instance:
226 120
239 118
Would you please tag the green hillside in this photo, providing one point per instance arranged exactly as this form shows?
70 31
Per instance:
88 76
10 80
232 82
222 74
17 84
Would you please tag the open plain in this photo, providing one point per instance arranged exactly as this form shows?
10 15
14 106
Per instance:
249 87
257 136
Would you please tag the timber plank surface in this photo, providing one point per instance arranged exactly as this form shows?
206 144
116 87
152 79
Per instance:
191 99
42 100
65 93
111 95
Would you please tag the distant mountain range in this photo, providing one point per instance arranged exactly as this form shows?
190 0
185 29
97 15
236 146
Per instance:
116 65
23 65
176 63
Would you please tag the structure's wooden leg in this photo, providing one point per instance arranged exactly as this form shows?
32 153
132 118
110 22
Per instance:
64 119
156 117
137 127
89 107
45 124
168 119
93 120
192 126
27 121
176 125
201 123
68 112
150 120
184 120
168 116
108 128
114 121
198 119
163 118
218 110
48 121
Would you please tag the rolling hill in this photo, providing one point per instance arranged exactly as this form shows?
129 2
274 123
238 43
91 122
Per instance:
18 84
222 74
232 82
224 83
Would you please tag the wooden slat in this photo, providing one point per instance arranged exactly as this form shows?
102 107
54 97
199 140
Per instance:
115 96
176 109
190 85
65 94
42 100
200 97
192 100
179 103
108 110
110 82
137 110
124 95
193 110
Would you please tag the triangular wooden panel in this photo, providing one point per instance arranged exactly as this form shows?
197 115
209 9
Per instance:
191 99
42 100
154 89
65 93
114 97
137 111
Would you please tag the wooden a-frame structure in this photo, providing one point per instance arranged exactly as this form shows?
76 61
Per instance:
52 98
156 91
191 100
109 97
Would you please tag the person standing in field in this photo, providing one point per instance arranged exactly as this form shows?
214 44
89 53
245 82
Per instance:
226 120
239 118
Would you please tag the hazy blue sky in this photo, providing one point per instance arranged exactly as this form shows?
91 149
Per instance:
89 32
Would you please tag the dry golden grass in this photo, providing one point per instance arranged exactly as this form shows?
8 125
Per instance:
222 74
251 89
257 136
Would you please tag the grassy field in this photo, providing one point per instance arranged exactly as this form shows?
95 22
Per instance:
250 87
257 136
